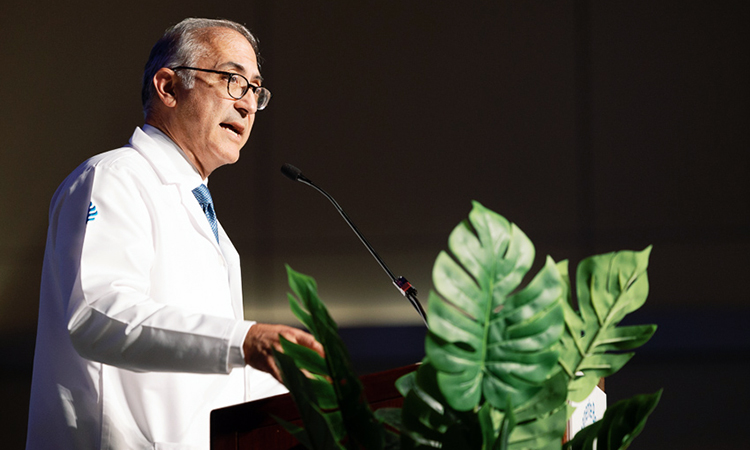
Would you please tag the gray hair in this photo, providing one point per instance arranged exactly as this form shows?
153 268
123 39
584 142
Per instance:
182 45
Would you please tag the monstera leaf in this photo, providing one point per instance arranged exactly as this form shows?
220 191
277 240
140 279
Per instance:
542 420
427 421
609 286
488 339
486 330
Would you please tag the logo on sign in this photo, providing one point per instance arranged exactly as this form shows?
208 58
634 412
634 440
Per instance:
589 415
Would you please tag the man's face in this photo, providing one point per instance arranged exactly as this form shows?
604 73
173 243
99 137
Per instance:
208 124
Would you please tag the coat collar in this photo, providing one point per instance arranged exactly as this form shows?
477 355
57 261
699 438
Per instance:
167 158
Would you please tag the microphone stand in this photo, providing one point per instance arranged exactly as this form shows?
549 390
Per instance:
401 283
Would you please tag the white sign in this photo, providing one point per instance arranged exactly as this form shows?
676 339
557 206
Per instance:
587 412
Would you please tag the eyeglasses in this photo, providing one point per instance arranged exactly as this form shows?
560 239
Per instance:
238 85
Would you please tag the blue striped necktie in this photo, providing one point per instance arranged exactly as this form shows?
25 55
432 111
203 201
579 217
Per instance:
204 198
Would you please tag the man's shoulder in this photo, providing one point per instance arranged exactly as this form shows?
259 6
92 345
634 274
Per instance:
123 156
122 162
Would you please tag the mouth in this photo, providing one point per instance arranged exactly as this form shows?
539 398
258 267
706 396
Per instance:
234 128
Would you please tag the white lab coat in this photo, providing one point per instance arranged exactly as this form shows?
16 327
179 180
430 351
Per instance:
140 322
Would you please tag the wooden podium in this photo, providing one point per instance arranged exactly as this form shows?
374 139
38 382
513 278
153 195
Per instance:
249 426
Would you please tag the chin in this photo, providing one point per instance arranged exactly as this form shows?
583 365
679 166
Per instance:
232 157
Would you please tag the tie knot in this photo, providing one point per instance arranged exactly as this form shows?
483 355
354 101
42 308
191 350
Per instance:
203 195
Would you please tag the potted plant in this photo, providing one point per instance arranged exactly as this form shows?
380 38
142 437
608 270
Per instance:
503 361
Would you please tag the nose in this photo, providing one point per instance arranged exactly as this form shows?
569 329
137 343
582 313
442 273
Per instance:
247 104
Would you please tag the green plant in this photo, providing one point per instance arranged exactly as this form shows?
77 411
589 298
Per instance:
501 358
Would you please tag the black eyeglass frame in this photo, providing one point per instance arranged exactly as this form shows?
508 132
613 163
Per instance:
231 75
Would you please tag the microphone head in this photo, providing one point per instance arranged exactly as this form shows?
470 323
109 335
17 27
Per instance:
291 172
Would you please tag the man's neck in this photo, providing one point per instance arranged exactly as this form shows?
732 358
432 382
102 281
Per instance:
154 130
155 121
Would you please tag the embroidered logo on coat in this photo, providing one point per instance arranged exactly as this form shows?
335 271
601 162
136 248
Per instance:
92 212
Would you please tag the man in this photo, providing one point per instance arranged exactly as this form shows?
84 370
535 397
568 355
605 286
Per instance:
140 330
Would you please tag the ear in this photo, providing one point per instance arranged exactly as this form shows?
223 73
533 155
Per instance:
165 81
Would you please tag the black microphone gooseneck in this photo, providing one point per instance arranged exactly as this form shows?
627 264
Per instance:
401 283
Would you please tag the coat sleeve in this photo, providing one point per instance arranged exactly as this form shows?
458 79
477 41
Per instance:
111 317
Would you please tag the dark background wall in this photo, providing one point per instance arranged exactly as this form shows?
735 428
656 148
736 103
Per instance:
594 126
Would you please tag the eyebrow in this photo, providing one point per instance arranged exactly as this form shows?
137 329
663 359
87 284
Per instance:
240 68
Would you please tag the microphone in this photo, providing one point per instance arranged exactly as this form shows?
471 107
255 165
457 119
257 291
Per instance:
293 173
401 283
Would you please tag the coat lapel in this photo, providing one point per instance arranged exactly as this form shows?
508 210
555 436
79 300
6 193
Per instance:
166 159
167 167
